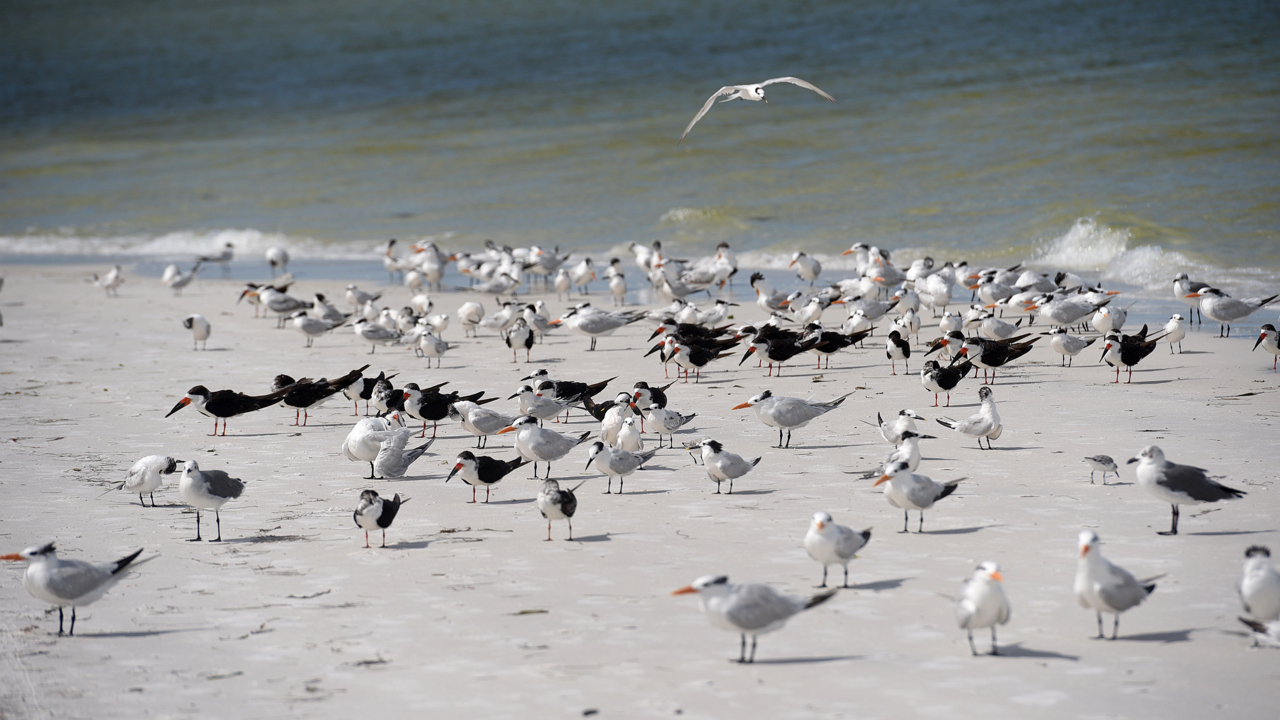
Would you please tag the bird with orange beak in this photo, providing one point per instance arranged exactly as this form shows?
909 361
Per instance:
747 608
983 603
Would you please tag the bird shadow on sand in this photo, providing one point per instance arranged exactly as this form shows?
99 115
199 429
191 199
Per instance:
137 633
1149 382
265 539
749 492
415 545
878 585
1116 484
596 538
1012 447
809 447
1015 650
515 501
639 492
800 661
1172 636
955 531
1230 532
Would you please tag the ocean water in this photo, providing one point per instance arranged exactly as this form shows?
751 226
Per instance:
1125 140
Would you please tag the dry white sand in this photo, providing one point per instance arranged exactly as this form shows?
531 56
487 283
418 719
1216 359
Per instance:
470 613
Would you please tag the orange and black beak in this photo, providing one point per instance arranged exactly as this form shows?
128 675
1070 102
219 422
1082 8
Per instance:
181 404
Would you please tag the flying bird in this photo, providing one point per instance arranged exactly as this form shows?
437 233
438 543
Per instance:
755 93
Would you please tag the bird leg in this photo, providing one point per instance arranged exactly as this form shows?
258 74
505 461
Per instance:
59 621
366 538
370 471
1174 529
473 493
921 528
905 518
824 576
846 575
570 520
218 519
742 652
549 538
384 539
972 649
1115 629
197 538
750 659
609 489
994 651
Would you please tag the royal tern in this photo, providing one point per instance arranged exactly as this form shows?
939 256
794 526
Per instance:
1105 587
1268 633
1259 585
832 544
182 279
207 490
767 298
556 503
223 404
1178 484
376 513
1103 463
1269 339
482 470
983 424
595 324
807 266
374 334
983 603
747 608
1226 309
615 462
909 491
537 444
73 583
788 413
146 476
223 258
754 93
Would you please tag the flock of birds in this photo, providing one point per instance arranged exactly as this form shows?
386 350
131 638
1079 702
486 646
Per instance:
990 334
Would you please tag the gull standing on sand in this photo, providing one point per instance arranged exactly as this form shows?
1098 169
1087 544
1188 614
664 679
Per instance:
69 582
832 544
1105 587
146 476
788 413
747 608
616 462
983 603
1174 332
207 490
909 491
557 504
983 424
200 330
722 465
1178 484
1259 585
376 513
1103 463
754 93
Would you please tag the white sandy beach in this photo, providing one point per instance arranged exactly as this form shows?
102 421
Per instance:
469 613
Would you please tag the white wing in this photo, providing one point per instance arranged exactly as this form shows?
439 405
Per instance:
793 81
726 90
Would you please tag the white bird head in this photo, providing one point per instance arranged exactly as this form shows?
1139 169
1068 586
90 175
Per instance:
988 570
32 553
707 583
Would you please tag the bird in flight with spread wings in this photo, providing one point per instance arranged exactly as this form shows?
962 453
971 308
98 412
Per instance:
754 93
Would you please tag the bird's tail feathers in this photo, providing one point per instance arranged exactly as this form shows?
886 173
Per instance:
820 598
947 423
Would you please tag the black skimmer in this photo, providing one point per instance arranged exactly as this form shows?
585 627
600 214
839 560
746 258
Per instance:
777 351
482 470
830 342
993 354
909 491
1103 463
223 404
1226 309
73 583
898 348
363 390
207 490
376 513
938 379
1121 353
1104 586
748 608
788 413
431 405
303 396
556 503
1270 341
146 476
1178 484
982 603
983 424
695 358
949 344
832 544
722 465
